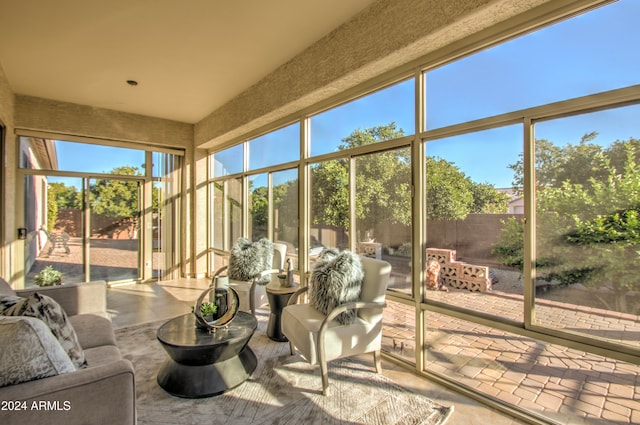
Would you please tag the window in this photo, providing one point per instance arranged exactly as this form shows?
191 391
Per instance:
481 313
45 154
258 206
588 210
329 206
558 62
470 204
285 210
383 212
276 147
228 161
390 109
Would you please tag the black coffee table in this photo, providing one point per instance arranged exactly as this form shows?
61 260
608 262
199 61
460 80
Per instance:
204 364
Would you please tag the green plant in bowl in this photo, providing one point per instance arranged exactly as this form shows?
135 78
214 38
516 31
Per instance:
207 309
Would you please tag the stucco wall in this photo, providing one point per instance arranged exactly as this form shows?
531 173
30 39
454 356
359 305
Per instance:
35 113
389 34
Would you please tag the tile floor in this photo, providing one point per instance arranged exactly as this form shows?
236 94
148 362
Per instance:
134 304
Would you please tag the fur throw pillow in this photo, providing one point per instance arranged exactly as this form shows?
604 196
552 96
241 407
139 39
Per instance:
336 279
248 260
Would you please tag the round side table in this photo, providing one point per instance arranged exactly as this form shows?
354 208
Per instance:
278 297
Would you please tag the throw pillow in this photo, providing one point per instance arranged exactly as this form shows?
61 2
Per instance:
46 309
7 301
248 260
29 351
336 279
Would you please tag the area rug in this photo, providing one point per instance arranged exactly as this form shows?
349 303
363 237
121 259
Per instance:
283 389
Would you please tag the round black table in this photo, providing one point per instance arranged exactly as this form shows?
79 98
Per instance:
278 297
202 363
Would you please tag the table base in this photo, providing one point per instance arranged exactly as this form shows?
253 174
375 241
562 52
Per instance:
206 380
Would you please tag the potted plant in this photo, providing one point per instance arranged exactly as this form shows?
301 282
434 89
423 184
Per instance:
48 277
208 310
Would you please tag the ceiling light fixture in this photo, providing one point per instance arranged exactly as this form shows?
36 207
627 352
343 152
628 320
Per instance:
132 82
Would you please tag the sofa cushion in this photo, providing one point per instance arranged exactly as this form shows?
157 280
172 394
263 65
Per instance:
105 354
46 309
247 260
5 289
93 330
336 279
29 351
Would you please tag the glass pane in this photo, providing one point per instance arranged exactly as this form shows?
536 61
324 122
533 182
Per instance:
233 224
44 154
217 218
588 209
566 385
53 218
276 147
399 330
228 161
471 207
329 206
258 207
166 215
285 211
392 108
115 223
559 62
383 212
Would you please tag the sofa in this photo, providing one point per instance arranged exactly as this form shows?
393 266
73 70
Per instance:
101 391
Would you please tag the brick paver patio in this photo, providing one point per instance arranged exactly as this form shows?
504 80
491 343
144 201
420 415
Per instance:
567 385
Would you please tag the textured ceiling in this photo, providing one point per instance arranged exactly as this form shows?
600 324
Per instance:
189 57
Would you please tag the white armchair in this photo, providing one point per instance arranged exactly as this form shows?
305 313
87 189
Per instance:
250 294
321 338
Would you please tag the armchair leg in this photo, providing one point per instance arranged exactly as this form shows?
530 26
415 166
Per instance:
377 358
325 377
292 348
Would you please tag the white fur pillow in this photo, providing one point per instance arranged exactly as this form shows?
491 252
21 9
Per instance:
248 260
336 279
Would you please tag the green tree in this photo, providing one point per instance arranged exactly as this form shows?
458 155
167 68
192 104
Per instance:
60 196
487 200
383 186
330 188
449 195
383 191
259 210
587 206
65 196
114 197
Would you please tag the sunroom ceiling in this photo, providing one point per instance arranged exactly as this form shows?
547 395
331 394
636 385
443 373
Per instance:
188 57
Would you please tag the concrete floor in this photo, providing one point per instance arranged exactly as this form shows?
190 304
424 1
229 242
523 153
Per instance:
141 303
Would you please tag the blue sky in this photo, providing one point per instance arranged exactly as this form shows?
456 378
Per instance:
594 52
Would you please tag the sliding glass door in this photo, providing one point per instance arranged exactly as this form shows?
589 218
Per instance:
116 225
